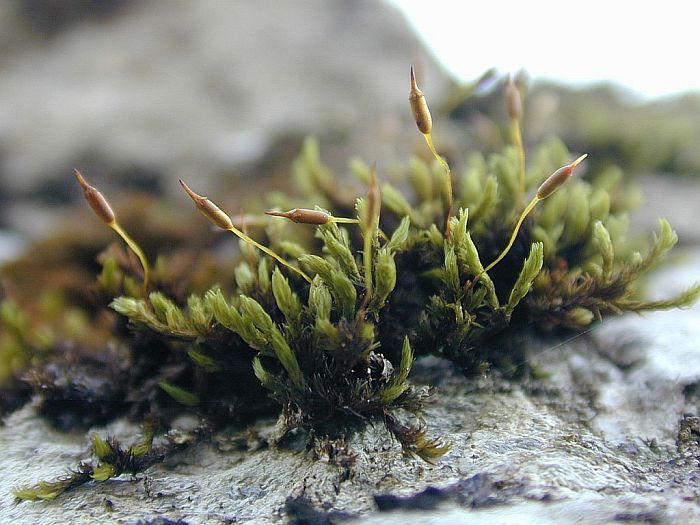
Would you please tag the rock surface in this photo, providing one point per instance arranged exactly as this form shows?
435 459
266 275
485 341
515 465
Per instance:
171 88
610 435
11 246
673 198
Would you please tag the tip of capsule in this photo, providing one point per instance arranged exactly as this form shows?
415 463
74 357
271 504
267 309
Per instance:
83 183
578 161
194 196
511 87
514 104
414 85
373 174
284 214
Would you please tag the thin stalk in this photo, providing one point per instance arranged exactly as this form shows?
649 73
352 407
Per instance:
216 215
549 186
370 227
133 245
517 138
267 251
367 262
446 167
505 251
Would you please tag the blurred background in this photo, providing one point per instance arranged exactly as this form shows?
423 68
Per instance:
137 94
647 49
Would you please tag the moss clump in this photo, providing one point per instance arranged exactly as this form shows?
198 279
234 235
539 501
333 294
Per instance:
112 459
326 317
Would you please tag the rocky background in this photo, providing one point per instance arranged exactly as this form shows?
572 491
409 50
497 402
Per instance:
138 94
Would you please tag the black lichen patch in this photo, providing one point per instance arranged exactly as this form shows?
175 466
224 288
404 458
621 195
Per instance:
691 393
79 392
639 517
160 520
300 511
13 397
479 491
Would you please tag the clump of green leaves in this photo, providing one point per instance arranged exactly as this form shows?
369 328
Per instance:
317 349
460 317
571 262
576 297
20 343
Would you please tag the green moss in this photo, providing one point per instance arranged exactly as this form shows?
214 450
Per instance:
407 279
111 460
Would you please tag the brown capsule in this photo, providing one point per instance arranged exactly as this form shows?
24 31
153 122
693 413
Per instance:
303 216
96 200
558 178
210 210
514 104
419 107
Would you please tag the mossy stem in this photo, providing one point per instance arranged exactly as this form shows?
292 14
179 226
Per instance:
446 167
370 226
367 262
267 251
133 245
517 138
505 251
369 234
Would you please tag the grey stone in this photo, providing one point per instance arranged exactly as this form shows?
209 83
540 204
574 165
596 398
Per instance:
673 198
11 246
